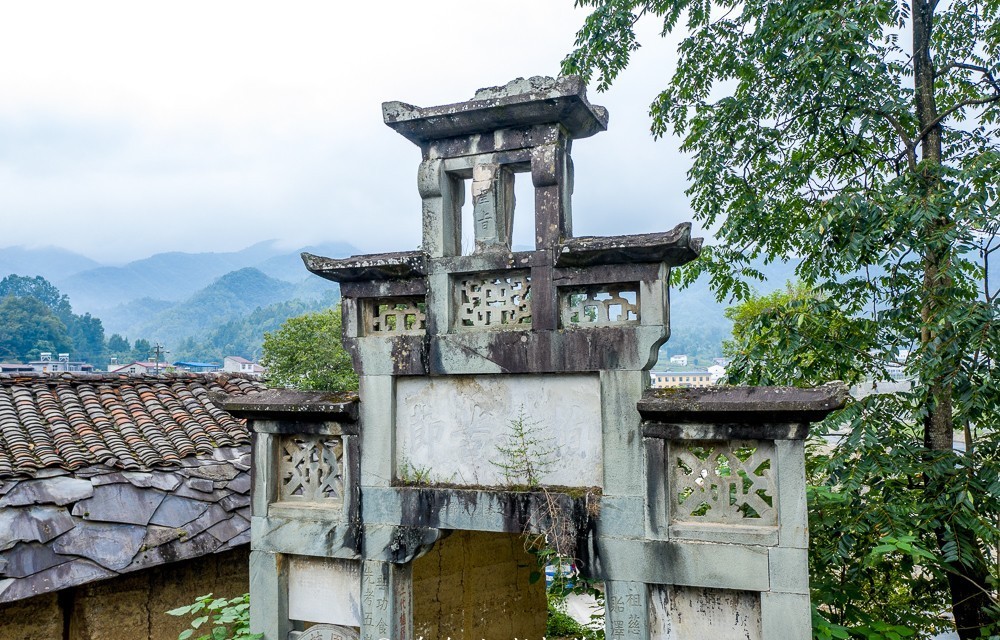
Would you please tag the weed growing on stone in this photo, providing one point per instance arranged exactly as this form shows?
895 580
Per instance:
526 454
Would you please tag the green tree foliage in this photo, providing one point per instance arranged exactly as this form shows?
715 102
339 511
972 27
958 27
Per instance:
862 138
306 353
142 350
28 327
87 335
244 336
40 289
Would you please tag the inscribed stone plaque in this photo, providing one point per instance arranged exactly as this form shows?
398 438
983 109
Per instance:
452 429
692 613
324 590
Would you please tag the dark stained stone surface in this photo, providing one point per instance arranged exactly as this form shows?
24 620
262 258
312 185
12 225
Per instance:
120 503
59 490
111 545
176 512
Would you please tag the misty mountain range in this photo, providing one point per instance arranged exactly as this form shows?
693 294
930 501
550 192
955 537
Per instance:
176 296
171 296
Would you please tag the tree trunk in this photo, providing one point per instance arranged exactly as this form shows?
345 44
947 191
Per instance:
968 579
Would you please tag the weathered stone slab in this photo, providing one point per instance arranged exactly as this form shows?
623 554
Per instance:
691 613
214 472
111 545
120 503
240 484
177 512
61 576
235 501
324 590
228 529
201 485
60 490
32 524
26 559
181 549
452 429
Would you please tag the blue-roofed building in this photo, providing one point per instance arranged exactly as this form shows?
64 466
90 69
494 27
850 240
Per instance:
198 367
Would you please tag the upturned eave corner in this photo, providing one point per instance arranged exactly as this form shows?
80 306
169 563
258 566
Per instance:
368 268
674 248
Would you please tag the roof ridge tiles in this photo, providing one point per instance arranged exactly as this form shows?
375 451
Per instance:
72 420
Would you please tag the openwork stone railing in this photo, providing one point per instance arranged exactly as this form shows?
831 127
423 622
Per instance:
494 301
396 316
599 305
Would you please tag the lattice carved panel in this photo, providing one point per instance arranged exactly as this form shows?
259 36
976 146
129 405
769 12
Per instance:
395 315
310 469
601 305
494 301
730 482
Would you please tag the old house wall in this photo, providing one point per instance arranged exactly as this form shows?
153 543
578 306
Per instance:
132 606
476 585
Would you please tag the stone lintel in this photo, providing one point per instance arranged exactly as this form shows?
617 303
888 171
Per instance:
295 406
371 267
537 100
744 405
674 247
725 431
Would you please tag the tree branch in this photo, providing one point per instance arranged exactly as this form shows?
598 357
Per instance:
972 102
970 67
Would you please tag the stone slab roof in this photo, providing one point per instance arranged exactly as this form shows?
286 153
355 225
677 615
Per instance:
108 474
128 422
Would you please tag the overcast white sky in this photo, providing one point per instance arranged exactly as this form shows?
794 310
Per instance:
129 128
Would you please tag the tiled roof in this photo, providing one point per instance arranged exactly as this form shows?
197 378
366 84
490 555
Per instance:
128 422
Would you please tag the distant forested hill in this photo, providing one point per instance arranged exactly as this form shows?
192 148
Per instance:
52 263
231 297
176 276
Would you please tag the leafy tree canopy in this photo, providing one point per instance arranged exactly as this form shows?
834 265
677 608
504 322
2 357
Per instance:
40 289
306 353
860 138
27 328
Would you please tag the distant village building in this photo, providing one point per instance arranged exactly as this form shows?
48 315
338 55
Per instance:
62 363
197 367
680 379
236 364
15 367
142 368
716 372
680 360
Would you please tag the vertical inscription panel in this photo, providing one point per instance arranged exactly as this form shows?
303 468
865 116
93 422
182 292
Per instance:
453 429
692 613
